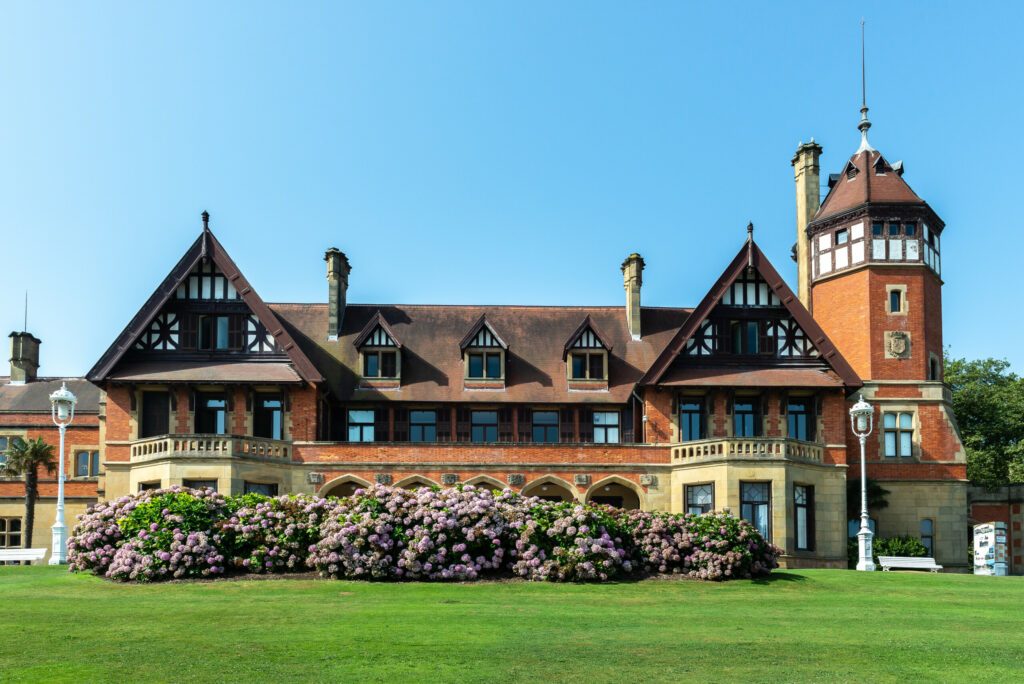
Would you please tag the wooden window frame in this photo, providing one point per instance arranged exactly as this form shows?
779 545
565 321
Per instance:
92 465
473 425
420 424
702 415
484 353
6 533
587 375
755 400
349 424
379 352
604 427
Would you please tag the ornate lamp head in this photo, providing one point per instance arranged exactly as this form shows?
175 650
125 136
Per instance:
862 417
62 403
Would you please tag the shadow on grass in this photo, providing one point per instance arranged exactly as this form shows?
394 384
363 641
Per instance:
779 576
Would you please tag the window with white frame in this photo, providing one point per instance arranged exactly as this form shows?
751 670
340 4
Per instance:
606 427
898 434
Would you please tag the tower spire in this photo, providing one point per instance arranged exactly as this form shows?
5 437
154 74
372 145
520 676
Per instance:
864 124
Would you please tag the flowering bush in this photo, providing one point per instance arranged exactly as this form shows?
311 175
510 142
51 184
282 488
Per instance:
274 535
567 542
384 532
714 546
456 534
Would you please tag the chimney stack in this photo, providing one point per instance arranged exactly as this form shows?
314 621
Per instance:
632 280
807 174
24 357
338 269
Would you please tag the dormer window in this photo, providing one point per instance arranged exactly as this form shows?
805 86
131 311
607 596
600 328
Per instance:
586 355
587 366
380 364
380 351
484 365
484 354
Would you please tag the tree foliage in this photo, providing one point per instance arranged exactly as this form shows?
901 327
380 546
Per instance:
988 401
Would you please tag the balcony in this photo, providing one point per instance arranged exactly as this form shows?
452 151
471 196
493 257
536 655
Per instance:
747 448
209 446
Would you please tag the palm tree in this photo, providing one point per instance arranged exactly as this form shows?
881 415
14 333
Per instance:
26 458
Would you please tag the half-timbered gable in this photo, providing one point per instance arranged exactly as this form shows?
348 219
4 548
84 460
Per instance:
751 318
206 314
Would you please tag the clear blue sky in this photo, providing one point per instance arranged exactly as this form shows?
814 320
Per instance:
483 152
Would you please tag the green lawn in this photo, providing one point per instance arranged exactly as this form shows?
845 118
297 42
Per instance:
799 626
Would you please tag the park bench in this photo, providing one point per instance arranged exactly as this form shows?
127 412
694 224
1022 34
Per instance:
908 563
7 555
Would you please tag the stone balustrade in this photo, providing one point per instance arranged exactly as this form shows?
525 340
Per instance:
747 447
208 446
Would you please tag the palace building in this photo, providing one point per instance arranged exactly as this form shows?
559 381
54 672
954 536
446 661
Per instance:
738 402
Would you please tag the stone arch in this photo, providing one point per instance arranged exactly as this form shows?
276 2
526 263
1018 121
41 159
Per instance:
343 486
616 491
551 488
414 482
487 482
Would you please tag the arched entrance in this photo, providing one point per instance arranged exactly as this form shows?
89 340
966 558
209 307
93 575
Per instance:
614 493
549 489
415 482
489 483
343 487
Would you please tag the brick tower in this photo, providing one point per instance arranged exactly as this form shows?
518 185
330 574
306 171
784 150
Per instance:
872 261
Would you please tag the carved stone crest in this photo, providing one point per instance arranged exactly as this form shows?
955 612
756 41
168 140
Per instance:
897 344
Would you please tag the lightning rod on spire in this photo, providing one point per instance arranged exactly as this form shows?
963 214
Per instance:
864 124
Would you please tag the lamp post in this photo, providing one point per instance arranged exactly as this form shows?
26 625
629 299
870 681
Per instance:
862 419
62 405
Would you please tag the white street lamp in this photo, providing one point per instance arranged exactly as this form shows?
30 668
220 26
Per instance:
62 404
862 418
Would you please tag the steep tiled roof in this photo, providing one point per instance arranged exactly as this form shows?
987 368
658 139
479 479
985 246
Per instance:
34 397
432 368
872 179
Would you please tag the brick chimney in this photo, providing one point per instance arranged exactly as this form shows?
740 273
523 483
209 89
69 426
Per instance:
338 269
632 279
24 357
807 174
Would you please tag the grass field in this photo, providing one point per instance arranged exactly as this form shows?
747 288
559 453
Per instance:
798 626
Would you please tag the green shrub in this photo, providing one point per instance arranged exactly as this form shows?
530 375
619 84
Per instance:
906 545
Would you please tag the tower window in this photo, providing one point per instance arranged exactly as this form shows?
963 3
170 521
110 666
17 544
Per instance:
895 301
933 369
910 229
842 236
894 229
877 229
898 431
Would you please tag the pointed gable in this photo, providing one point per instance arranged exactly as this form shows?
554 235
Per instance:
586 336
750 281
205 273
376 333
482 335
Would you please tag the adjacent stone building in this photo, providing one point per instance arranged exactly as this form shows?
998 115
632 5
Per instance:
738 403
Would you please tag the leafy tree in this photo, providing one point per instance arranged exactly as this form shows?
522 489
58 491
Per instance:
988 401
26 458
876 497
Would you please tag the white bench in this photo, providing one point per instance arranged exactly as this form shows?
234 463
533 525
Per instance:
21 554
908 563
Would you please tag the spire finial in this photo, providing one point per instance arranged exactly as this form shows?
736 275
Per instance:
750 244
206 220
864 124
